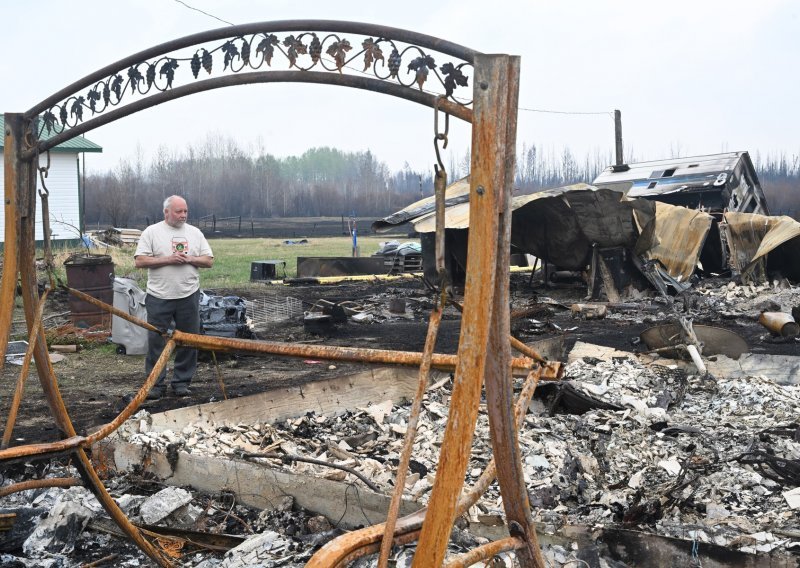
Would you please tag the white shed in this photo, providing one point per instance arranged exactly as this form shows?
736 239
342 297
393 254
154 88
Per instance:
64 185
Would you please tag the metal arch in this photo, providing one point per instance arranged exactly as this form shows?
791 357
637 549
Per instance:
312 77
251 46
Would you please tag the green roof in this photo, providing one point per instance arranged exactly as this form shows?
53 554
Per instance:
75 145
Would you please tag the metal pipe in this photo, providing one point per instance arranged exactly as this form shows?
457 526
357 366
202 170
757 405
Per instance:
411 432
138 398
469 498
329 352
8 284
485 552
780 323
503 74
39 483
477 324
23 374
74 442
116 311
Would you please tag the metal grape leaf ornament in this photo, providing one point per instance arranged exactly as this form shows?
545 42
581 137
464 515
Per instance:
338 50
49 121
231 51
422 65
135 76
168 69
295 48
372 53
93 97
453 77
245 52
77 108
116 86
267 47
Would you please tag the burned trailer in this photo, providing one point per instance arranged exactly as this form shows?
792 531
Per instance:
714 183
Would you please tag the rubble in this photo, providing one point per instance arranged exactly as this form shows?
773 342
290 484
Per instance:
680 455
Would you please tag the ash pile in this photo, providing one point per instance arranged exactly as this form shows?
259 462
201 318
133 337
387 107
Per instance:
617 443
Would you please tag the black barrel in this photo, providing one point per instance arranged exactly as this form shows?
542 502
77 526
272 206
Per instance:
92 274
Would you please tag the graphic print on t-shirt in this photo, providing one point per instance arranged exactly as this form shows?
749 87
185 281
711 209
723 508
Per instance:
180 244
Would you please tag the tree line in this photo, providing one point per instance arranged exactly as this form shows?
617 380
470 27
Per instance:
223 179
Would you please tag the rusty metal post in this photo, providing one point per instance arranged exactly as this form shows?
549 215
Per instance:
498 378
494 79
8 285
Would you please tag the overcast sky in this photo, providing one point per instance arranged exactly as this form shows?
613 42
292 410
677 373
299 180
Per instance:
690 77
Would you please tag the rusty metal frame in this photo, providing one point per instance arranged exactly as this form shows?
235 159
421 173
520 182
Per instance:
484 352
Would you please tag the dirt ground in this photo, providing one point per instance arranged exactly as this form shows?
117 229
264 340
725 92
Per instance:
96 383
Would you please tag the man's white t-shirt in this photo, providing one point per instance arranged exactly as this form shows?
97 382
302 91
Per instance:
173 281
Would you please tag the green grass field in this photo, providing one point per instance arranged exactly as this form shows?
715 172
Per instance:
232 258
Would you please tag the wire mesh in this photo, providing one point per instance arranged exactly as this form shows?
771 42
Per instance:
272 308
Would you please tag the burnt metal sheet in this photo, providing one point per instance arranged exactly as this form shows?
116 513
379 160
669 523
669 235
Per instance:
755 239
674 236
562 226
457 192
457 215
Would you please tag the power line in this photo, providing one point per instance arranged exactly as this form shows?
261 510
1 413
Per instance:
609 113
202 12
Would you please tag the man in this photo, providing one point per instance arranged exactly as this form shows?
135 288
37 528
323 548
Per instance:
172 252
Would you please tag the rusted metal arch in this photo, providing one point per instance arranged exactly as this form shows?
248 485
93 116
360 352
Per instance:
251 78
483 350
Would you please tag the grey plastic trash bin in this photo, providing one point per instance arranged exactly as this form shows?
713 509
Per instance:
129 337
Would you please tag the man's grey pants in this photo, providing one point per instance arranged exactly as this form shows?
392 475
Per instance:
161 313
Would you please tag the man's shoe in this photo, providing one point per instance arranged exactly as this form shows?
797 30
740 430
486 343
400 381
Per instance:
181 391
155 394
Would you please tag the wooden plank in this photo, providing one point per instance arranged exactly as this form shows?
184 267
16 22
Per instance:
348 505
322 397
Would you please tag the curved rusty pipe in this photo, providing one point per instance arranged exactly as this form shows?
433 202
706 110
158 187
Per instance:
40 483
485 552
23 373
73 442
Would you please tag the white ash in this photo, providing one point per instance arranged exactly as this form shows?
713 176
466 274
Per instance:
580 469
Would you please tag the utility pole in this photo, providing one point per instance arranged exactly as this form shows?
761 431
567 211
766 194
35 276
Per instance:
618 137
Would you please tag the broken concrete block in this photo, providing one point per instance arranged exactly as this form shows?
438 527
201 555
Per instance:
163 503
249 554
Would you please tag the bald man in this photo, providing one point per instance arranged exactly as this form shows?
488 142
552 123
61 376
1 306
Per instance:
173 252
